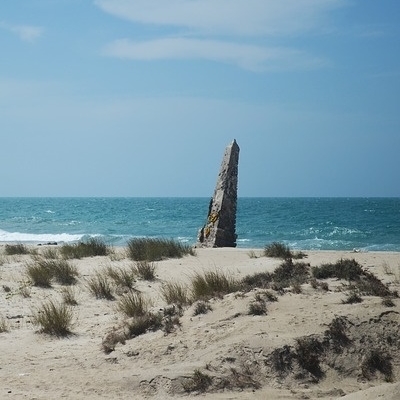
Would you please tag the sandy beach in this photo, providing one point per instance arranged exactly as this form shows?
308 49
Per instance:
237 351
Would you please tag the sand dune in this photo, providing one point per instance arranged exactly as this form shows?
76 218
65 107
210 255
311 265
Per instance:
235 351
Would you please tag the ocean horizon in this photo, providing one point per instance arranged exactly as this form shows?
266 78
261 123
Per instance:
304 223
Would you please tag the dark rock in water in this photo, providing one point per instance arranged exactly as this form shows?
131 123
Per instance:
220 228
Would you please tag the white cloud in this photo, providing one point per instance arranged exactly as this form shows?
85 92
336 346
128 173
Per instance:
250 57
232 17
227 31
27 33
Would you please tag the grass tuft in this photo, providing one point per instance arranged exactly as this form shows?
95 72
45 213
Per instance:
54 319
352 298
133 304
145 270
153 249
16 249
100 286
213 284
68 296
93 247
280 250
202 307
175 293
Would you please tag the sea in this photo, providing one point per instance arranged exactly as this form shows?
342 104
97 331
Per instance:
364 224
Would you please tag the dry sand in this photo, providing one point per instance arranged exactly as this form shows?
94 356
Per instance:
226 344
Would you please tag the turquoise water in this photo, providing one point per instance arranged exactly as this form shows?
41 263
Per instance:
302 223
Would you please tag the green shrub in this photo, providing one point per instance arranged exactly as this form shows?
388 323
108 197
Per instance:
175 293
212 284
145 270
100 287
93 247
153 249
54 319
16 249
132 305
343 269
289 273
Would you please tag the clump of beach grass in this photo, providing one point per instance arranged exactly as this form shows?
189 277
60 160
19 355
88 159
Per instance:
50 253
99 285
156 249
145 270
41 272
258 305
133 304
122 277
280 250
68 296
53 318
16 249
175 293
213 284
91 248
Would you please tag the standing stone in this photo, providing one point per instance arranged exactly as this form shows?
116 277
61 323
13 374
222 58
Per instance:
220 228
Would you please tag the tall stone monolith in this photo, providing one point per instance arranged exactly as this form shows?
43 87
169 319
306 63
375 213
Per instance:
220 228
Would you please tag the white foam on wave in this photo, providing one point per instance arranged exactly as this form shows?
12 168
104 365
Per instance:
37 237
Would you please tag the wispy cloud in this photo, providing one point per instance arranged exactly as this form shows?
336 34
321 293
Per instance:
222 30
26 33
250 57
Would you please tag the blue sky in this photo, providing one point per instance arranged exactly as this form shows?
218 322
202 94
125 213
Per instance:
141 97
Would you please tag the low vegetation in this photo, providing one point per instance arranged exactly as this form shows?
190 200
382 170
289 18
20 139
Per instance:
212 284
145 270
16 249
100 286
42 271
91 248
175 293
3 325
156 249
53 318
376 360
133 304
280 250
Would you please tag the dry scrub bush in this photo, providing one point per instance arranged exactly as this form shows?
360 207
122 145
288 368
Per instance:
374 361
198 382
54 319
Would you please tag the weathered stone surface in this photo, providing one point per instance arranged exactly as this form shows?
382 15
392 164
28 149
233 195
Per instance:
220 228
